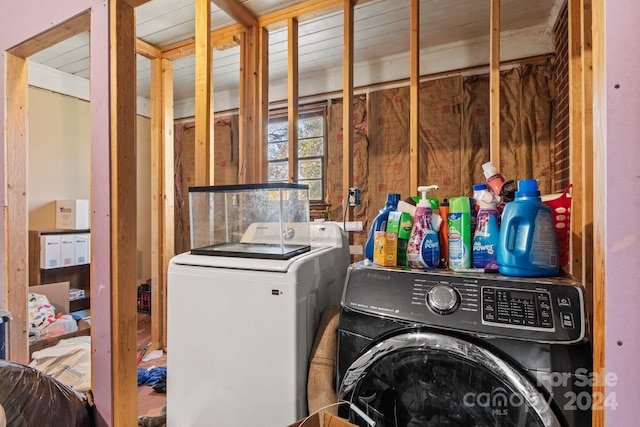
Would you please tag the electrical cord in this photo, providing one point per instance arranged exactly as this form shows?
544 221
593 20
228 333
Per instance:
353 407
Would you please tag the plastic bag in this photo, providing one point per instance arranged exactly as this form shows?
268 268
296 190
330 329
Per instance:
69 362
34 399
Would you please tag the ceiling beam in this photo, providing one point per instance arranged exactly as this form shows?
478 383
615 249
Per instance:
237 11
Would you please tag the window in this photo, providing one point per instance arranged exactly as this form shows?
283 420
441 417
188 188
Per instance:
311 150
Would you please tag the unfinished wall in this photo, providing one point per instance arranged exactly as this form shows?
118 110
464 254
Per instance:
454 143
225 169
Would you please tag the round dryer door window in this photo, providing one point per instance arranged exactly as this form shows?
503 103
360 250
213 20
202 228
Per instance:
425 379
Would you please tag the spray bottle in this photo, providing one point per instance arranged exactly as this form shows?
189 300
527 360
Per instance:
423 250
495 181
380 222
487 234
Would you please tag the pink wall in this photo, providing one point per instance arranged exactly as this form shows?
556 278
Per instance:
622 228
20 21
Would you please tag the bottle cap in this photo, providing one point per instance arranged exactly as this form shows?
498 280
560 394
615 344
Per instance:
528 188
489 170
479 187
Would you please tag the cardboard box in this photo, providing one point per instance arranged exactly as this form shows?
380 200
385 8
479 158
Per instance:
50 251
67 250
76 294
72 214
82 247
58 296
385 248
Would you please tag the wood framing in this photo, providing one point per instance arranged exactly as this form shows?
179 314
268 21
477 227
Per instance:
123 211
162 194
494 85
263 104
597 163
576 118
16 226
292 91
414 94
203 82
70 28
249 152
238 11
347 106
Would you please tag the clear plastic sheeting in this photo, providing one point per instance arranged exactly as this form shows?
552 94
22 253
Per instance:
426 380
33 399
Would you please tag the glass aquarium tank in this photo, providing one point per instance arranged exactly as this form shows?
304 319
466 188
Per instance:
250 220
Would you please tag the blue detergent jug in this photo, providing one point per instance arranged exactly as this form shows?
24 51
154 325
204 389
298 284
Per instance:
380 222
528 246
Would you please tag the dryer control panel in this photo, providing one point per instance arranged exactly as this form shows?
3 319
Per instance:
541 309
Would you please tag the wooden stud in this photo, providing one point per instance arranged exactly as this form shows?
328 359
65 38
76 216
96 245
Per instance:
203 107
147 50
414 94
347 105
168 191
122 62
576 118
292 90
162 194
16 227
597 163
249 151
263 105
494 85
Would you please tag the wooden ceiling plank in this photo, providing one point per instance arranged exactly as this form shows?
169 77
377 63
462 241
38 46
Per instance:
238 11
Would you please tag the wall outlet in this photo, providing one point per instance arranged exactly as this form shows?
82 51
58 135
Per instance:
354 196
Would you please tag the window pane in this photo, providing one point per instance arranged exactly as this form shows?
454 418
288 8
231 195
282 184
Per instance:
278 150
278 171
310 169
278 131
315 188
310 127
310 147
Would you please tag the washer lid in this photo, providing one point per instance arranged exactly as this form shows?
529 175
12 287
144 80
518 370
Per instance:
425 378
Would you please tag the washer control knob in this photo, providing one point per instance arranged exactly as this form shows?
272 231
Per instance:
443 299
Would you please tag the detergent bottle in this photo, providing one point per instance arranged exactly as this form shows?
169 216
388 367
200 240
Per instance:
401 223
459 233
487 234
444 234
423 250
528 245
380 222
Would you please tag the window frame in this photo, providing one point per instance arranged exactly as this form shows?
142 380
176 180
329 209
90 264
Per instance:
305 112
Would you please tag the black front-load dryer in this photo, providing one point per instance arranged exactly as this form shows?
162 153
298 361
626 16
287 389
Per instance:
437 348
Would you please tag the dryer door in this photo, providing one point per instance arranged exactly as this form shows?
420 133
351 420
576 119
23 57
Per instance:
429 379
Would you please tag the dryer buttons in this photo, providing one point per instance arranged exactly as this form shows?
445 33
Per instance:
443 299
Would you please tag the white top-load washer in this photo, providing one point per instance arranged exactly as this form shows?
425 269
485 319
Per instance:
240 332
